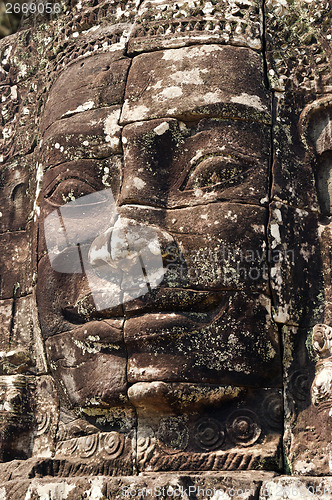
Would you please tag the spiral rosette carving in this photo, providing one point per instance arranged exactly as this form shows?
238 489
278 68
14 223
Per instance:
113 444
243 427
43 420
273 410
208 434
87 445
173 435
67 448
299 385
145 448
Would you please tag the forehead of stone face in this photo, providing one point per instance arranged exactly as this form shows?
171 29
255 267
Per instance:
199 81
87 84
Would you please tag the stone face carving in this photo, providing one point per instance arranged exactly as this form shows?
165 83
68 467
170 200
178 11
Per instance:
166 172
308 372
218 164
317 119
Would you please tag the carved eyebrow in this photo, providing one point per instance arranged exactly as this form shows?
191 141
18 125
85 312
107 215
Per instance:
228 152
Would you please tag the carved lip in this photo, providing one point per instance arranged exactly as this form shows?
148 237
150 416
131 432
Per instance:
161 300
160 395
171 300
155 326
84 310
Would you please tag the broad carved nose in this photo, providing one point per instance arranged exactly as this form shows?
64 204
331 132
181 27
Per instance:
132 248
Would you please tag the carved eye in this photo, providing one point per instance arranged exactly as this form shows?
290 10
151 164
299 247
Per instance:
212 170
68 190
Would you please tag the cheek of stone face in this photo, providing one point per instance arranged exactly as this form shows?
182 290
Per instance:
64 298
90 363
212 247
78 355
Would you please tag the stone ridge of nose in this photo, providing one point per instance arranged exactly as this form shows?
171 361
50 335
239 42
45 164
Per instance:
124 242
149 149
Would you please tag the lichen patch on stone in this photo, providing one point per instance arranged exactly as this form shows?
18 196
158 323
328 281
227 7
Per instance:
249 100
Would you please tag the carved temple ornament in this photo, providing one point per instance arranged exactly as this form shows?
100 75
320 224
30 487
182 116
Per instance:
166 239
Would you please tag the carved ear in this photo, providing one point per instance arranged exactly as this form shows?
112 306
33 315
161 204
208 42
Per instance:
316 130
316 125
